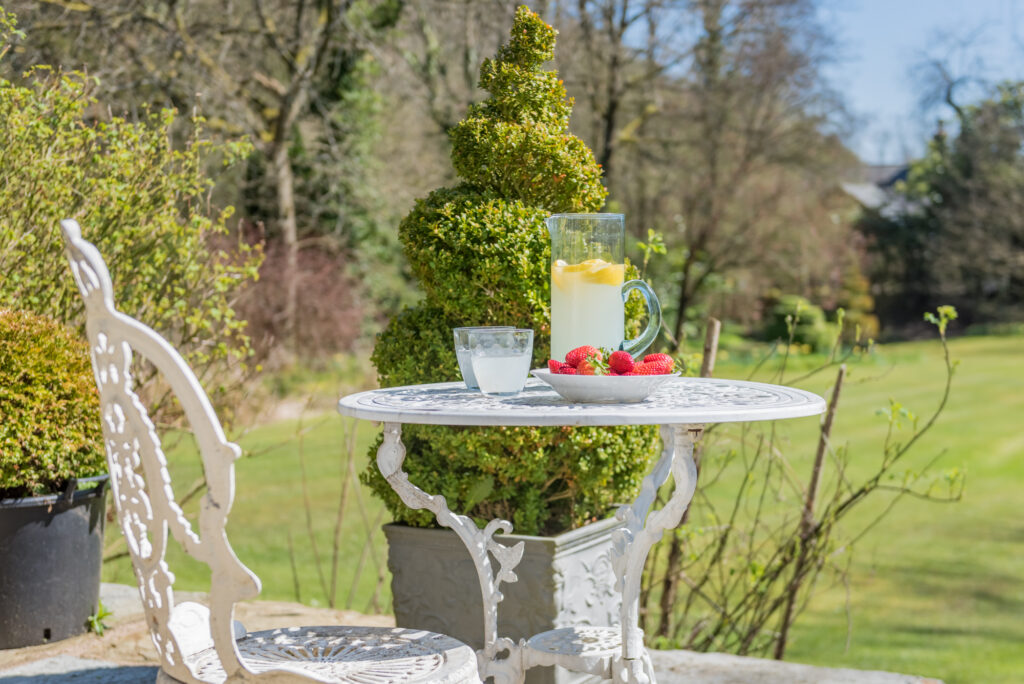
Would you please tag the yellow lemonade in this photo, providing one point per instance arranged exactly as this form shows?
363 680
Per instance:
586 305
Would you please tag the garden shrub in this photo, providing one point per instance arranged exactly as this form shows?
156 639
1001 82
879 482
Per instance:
49 407
481 252
142 200
809 325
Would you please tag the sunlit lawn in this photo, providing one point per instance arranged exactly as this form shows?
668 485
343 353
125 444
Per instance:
269 527
936 590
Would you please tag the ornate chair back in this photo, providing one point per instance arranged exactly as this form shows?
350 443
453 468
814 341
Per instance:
140 482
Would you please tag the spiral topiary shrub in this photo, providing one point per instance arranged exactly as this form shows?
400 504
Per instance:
49 407
481 252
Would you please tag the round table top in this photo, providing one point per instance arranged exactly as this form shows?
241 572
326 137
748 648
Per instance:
679 401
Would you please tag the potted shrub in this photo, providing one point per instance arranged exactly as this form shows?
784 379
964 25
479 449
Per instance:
52 482
481 252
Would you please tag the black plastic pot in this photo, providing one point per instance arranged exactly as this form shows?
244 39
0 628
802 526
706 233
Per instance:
51 548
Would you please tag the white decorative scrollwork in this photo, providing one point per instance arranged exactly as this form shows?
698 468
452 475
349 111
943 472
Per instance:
350 655
147 510
479 543
641 529
139 477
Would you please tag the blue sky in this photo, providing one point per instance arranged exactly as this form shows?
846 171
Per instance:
878 43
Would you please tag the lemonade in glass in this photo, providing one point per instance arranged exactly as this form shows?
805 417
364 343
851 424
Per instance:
589 288
586 300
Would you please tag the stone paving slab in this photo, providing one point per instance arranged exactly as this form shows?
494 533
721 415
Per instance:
670 667
720 668
125 654
71 670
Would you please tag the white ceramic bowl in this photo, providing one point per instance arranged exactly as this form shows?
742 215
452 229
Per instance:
603 389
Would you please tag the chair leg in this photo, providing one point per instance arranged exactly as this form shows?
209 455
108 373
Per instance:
649 669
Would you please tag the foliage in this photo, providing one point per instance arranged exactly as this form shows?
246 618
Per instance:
759 535
794 318
856 301
482 254
954 230
96 621
516 143
296 79
50 430
143 201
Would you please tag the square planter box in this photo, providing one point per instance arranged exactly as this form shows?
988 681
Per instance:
563 581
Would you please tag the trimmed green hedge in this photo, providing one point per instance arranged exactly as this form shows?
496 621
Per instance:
49 407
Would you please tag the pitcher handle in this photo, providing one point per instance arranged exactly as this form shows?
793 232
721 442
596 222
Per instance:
638 345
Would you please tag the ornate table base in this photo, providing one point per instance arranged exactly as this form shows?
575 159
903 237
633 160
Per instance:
616 653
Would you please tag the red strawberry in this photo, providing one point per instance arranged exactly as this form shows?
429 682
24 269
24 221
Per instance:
659 367
631 373
586 368
566 369
653 368
553 365
620 362
579 354
660 358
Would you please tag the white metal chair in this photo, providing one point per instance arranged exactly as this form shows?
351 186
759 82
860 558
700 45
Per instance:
197 644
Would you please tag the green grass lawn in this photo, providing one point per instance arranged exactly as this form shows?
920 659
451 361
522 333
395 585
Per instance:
936 590
282 522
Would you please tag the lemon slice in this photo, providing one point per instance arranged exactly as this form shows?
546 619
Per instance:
607 274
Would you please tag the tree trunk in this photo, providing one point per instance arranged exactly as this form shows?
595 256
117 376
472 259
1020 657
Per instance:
288 223
684 298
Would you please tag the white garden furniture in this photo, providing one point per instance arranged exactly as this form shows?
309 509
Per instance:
681 407
196 643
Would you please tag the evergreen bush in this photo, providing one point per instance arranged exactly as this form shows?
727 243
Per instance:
50 425
810 328
481 252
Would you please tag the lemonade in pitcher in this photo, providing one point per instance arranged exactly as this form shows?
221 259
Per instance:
587 285
586 300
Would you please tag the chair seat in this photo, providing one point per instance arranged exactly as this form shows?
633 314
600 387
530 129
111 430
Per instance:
366 655
581 649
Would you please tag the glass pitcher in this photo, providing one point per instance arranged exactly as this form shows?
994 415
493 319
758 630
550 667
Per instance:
588 292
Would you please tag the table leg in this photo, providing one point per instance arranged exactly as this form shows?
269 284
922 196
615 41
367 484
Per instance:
480 543
641 529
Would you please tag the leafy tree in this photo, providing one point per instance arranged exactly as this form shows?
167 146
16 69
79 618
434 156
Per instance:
143 201
481 252
954 230
287 75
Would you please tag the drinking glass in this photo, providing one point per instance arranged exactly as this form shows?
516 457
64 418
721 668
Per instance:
462 351
501 360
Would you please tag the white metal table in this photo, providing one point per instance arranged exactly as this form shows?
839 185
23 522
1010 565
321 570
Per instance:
682 406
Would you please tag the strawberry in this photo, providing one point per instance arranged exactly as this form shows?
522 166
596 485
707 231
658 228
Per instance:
653 368
553 365
643 369
620 362
566 369
660 358
586 368
659 367
574 357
